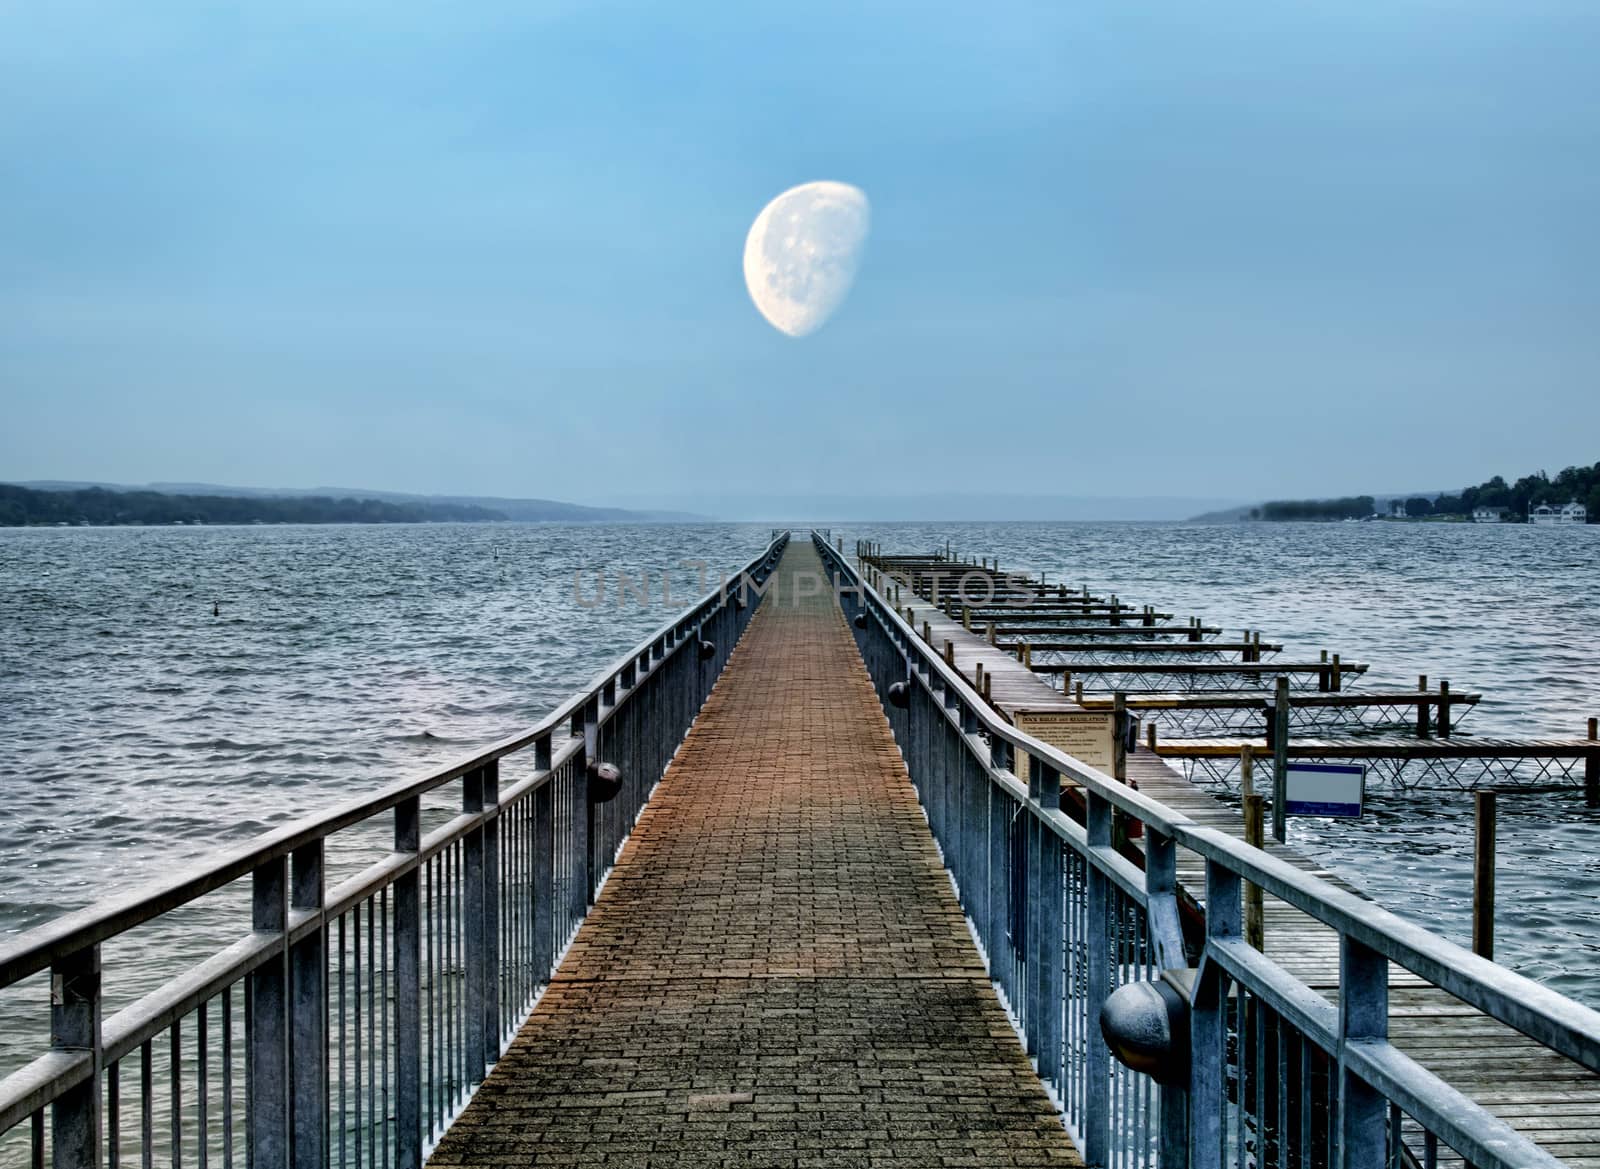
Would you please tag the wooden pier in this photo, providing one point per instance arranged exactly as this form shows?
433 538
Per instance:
1553 1101
776 973
803 880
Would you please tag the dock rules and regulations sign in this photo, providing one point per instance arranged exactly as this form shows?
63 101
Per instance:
1325 789
1083 734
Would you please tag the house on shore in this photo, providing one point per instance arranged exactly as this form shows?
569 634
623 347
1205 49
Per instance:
1568 513
1488 515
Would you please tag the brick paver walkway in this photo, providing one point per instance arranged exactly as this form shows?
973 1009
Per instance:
777 972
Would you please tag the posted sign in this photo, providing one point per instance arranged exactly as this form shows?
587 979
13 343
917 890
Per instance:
1325 789
1083 734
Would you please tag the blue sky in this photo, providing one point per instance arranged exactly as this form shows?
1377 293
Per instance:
1233 250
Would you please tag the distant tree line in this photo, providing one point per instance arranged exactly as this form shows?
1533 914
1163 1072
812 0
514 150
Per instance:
1574 483
1351 507
26 507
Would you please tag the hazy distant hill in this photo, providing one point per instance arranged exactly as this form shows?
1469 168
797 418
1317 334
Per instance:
70 507
1231 515
524 510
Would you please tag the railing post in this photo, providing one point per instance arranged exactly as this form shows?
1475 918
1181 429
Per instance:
544 865
1097 1106
1363 1014
308 1014
1208 1029
75 1026
490 968
1050 897
586 728
480 907
269 1022
1166 941
408 990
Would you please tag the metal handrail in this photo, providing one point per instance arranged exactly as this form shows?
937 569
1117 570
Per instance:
454 871
34 949
1368 932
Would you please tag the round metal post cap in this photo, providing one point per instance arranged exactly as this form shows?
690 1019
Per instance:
1146 1026
605 781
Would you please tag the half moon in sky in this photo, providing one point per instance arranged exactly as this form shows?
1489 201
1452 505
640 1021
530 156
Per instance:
801 254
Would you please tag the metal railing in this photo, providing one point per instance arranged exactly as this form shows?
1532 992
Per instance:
349 1024
1276 1074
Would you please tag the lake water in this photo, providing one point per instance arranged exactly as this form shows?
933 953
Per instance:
165 691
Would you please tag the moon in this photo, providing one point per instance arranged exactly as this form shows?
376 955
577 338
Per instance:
801 255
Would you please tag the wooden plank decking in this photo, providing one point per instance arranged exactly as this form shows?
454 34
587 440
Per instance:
1554 1101
777 972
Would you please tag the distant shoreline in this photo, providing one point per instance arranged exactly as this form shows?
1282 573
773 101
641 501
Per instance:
100 506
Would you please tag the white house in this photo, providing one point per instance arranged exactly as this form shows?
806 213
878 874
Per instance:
1568 513
1488 515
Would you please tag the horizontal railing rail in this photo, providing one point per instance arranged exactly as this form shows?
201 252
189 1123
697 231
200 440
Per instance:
1276 1073
348 1024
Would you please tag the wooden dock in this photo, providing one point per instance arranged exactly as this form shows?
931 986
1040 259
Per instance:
1553 1101
1376 748
777 972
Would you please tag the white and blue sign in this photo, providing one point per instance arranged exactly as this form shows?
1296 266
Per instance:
1325 789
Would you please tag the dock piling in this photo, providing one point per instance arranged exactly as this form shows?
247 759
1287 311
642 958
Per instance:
1255 930
1280 760
1119 736
1483 850
1423 721
1444 710
1591 769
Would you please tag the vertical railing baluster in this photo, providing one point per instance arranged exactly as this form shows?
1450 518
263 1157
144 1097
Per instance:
75 1133
114 1116
373 1127
358 1128
1096 1109
202 1101
384 991
227 1077
175 1094
344 1017
147 1106
449 992
308 1011
1363 1014
267 1042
